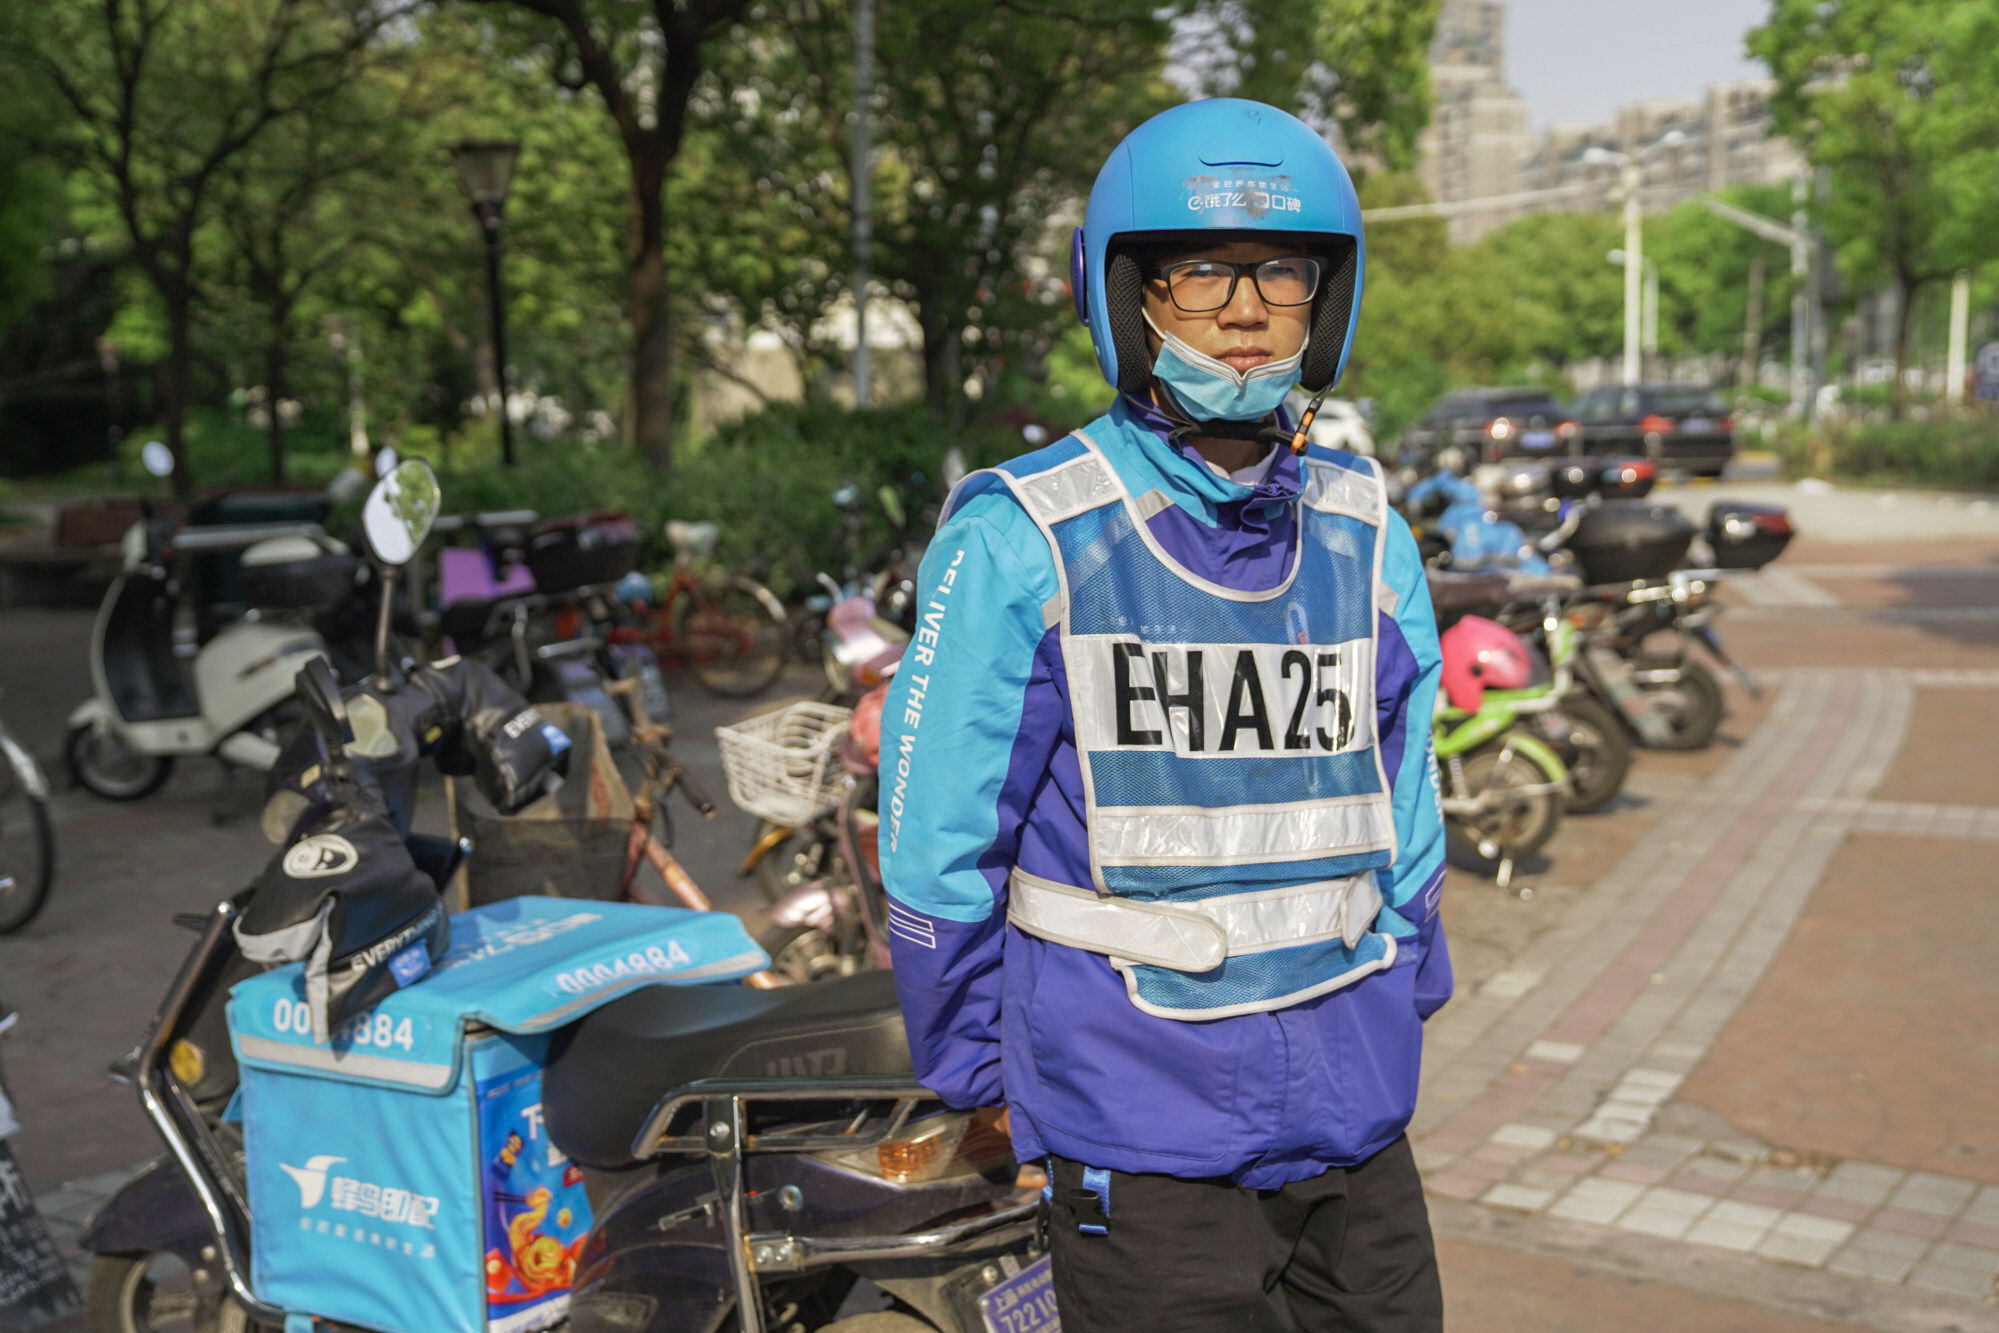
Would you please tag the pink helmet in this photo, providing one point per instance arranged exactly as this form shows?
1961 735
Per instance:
865 727
1481 654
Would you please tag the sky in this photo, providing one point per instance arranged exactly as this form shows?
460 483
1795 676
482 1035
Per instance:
1578 60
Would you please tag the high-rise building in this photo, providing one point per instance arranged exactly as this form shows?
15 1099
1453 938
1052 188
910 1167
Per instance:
1686 147
1478 132
1478 146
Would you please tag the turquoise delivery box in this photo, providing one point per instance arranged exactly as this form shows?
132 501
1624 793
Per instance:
400 1177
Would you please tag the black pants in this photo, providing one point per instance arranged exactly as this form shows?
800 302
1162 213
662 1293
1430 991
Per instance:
1349 1251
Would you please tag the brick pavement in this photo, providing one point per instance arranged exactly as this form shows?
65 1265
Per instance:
1543 1091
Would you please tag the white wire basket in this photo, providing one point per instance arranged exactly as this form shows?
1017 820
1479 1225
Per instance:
784 765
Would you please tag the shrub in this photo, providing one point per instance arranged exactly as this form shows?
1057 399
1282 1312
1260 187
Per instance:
1961 452
223 451
766 480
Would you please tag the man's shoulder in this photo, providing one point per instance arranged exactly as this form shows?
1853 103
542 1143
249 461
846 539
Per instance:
1322 456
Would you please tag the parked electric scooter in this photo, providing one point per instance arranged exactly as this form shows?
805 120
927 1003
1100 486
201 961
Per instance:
1503 785
158 693
703 1155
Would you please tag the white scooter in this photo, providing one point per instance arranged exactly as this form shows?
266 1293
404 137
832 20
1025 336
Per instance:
159 693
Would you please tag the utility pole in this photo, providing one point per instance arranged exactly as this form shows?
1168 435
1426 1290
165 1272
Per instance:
1960 319
864 82
1752 327
1634 274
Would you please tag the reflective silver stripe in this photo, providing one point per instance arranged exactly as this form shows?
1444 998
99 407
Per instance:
1194 936
413 1073
1147 933
1332 489
1082 484
1150 835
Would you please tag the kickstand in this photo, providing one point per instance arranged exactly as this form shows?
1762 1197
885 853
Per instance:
1505 877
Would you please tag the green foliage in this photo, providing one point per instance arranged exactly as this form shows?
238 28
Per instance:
996 119
225 451
1896 97
1360 65
1962 453
766 481
31 186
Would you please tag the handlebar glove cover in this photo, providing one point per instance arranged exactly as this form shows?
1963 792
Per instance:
300 788
515 754
346 899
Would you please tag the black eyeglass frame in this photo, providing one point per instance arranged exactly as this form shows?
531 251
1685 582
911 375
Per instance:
1164 274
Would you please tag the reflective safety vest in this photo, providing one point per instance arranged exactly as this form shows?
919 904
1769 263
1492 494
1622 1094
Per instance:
1236 804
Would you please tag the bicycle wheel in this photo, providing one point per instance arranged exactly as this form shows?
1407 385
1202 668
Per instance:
733 635
27 852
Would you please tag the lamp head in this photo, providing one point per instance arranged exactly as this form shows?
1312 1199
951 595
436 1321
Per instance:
486 169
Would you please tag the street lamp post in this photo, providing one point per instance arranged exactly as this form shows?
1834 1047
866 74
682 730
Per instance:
1649 318
1634 256
1631 175
486 168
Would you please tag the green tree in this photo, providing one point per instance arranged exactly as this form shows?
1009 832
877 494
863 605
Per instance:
996 119
1896 98
643 59
1705 265
1360 65
162 95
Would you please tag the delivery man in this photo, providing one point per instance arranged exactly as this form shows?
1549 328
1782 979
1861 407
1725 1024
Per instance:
1160 819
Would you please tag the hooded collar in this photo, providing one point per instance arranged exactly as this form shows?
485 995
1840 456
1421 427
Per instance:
1156 460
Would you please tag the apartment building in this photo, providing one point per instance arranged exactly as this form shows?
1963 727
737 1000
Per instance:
1478 144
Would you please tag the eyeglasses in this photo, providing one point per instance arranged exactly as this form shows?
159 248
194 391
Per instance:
1201 285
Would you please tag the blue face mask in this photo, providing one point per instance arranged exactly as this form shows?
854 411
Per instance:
1205 389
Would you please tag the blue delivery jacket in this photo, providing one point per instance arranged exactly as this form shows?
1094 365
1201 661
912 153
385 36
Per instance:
980 774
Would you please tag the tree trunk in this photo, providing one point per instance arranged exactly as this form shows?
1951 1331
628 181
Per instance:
943 374
173 381
1904 319
274 392
652 333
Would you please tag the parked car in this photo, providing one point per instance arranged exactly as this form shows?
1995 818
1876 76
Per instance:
1339 424
1491 424
1685 426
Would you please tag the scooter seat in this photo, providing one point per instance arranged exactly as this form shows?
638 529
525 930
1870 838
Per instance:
608 1070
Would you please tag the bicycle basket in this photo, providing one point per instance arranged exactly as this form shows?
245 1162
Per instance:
781 764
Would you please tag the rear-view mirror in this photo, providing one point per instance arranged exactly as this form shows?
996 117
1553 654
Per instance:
400 511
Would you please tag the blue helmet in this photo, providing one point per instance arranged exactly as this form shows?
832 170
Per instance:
1220 165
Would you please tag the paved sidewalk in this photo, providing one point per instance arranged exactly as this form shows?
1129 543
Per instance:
1544 1096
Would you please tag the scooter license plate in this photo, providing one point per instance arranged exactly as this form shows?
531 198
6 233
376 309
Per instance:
1537 439
1024 1303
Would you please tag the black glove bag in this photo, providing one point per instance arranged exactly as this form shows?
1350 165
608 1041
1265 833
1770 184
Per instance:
515 754
346 899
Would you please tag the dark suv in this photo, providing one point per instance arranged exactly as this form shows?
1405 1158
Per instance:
1675 425
1490 424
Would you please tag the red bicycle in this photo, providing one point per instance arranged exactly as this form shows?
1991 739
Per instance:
729 630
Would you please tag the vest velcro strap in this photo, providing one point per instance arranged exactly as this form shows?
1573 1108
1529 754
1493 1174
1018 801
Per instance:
1197 935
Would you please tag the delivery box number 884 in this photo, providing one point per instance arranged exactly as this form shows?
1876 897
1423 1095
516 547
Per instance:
377 1029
